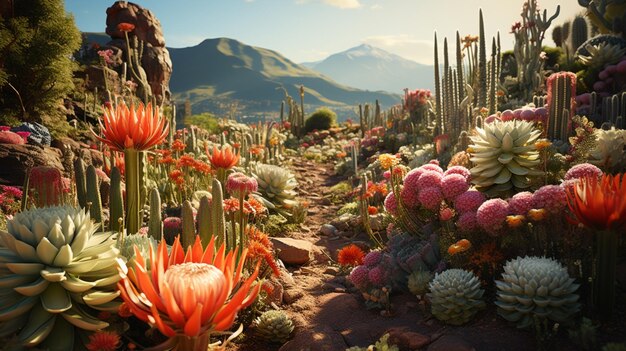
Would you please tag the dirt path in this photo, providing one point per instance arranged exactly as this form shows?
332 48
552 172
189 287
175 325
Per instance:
330 315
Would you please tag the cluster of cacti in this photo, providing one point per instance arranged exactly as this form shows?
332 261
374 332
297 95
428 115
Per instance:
134 54
536 287
277 185
505 156
56 269
411 254
605 17
570 43
455 296
274 326
561 105
295 114
613 111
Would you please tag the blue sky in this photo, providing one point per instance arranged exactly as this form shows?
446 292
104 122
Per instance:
310 30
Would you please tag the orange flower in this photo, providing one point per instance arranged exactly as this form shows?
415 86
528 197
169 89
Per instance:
224 159
202 167
515 221
103 341
372 210
231 205
351 256
600 205
537 214
188 294
178 145
460 246
256 205
186 161
132 128
125 27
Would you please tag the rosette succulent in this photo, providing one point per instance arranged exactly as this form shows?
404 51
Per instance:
274 326
505 156
536 287
418 282
54 270
276 185
455 296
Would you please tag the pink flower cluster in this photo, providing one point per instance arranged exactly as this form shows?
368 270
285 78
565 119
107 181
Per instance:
521 203
371 272
238 183
491 215
551 198
583 170
529 114
415 99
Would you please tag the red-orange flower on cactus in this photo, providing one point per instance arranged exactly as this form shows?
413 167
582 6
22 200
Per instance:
372 210
350 255
600 205
188 294
103 341
138 128
224 158
460 246
125 27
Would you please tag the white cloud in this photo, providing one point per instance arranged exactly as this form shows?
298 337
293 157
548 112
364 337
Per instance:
342 4
376 7
404 45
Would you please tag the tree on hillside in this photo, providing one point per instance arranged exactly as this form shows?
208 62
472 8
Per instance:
37 40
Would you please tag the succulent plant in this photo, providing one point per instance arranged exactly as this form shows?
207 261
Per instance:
276 185
142 242
609 150
409 254
274 326
455 296
418 282
55 268
601 54
536 287
505 156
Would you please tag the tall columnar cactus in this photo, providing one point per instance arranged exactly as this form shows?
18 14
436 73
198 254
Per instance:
116 202
493 82
189 226
155 222
218 221
614 110
561 104
81 183
580 32
438 112
93 195
482 63
134 54
204 218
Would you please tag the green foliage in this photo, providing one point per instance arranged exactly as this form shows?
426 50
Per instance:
380 345
553 55
351 208
35 59
322 119
205 121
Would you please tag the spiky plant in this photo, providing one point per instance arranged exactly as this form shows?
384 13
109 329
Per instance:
601 55
455 296
277 186
142 242
54 269
536 287
505 156
274 326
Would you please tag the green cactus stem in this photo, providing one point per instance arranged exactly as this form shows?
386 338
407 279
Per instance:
93 195
189 227
605 273
204 218
116 202
81 183
133 196
437 91
155 222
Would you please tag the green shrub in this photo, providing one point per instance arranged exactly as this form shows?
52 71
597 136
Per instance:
322 119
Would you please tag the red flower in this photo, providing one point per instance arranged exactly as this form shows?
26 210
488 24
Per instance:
350 255
224 159
125 27
600 205
460 246
372 210
103 341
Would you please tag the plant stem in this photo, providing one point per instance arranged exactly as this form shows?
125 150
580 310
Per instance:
133 219
197 343
605 273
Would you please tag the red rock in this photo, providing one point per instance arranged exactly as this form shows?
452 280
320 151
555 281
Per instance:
406 339
293 251
17 159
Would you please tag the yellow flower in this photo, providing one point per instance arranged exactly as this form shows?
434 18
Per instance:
388 160
537 214
542 144
515 221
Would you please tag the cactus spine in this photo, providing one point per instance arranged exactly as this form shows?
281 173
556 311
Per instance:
155 222
189 227
116 202
81 183
93 195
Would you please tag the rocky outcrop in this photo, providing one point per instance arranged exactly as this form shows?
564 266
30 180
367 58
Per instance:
17 159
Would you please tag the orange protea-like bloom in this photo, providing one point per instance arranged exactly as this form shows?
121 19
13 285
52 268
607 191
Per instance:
257 150
103 341
351 256
125 27
599 205
137 128
372 210
224 159
167 160
460 246
188 294
537 214
515 221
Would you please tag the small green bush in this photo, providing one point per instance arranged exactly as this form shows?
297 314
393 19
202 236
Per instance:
322 119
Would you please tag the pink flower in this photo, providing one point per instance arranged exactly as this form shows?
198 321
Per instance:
467 222
410 197
583 170
24 135
377 276
240 183
521 203
372 258
429 179
431 197
551 198
359 276
491 215
5 128
453 185
387 175
459 170
13 191
433 165
391 205
410 180
469 201
446 214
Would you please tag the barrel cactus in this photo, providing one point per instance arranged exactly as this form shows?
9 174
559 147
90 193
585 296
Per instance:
274 326
276 185
455 296
55 268
536 287
505 155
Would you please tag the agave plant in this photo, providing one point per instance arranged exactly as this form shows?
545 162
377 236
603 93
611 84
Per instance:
54 269
455 296
505 155
601 55
276 186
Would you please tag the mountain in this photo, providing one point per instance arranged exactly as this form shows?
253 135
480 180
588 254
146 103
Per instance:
220 70
368 67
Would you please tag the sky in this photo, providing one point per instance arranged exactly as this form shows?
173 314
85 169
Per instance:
311 30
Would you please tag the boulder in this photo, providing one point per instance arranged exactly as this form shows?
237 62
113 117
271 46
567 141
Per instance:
328 229
17 159
406 339
293 251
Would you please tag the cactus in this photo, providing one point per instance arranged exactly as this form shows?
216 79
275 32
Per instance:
204 218
274 326
189 226
192 141
93 195
579 32
561 104
455 296
155 223
613 110
438 112
492 98
134 54
81 183
482 63
218 222
116 202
